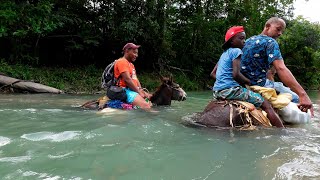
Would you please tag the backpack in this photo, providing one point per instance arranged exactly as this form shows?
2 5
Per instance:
108 82
108 78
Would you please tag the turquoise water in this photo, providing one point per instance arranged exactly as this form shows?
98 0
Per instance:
48 137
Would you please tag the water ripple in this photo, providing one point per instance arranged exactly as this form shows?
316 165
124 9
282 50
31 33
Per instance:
54 137
44 176
59 156
299 169
4 141
112 125
305 165
273 154
32 110
308 148
37 175
15 159
53 110
110 145
91 135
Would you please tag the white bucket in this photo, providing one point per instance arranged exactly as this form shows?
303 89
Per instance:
292 114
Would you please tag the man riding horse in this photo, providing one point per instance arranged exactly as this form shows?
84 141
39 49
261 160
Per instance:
257 55
261 51
124 89
125 71
229 79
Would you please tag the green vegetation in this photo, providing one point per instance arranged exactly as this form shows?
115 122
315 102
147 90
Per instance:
68 43
84 79
70 80
300 46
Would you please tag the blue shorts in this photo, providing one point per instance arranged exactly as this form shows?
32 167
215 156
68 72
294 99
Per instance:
131 95
241 94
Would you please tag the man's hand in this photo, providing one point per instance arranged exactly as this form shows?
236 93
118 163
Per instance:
289 80
148 95
305 104
141 93
144 94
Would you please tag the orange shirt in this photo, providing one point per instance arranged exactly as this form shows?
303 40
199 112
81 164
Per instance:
123 65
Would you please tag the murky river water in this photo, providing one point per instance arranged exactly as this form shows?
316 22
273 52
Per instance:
49 137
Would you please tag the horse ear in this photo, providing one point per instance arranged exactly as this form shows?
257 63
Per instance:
161 77
170 78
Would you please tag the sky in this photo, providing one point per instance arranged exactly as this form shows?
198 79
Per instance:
310 9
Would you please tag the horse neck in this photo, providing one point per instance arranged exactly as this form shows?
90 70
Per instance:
162 96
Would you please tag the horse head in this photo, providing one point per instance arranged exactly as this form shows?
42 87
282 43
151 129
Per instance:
168 91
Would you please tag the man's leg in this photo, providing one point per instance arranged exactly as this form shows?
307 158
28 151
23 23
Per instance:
243 94
271 114
139 101
135 99
256 99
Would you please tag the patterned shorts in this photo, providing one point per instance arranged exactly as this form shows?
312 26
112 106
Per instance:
241 94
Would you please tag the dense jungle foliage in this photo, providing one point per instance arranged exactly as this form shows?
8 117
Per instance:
177 36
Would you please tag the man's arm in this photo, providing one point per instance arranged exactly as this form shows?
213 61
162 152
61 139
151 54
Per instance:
214 71
127 79
289 80
138 82
237 75
146 94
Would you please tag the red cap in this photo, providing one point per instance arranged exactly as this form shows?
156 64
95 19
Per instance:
233 31
130 46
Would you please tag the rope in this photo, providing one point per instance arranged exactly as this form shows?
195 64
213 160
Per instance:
231 115
146 90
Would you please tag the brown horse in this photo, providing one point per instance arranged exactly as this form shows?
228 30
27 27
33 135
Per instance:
165 93
229 114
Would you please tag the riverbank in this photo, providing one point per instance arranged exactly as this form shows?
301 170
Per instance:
86 80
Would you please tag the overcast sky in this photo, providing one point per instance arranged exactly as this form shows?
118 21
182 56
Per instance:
310 10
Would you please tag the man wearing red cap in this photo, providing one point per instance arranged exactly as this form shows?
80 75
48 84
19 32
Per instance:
126 72
261 51
229 81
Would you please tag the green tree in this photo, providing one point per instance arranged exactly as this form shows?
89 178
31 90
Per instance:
177 36
23 23
300 46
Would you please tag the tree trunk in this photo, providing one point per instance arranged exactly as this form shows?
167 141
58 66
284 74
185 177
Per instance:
27 85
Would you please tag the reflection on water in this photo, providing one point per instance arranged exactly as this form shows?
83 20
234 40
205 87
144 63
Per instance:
49 137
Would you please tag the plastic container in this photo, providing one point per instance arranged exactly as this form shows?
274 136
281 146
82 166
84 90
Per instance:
292 114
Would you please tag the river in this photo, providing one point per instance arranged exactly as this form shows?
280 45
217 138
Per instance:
44 136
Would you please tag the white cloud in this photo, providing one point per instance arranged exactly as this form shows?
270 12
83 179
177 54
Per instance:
308 9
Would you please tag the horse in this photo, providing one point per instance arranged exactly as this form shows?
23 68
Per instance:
231 113
165 93
228 114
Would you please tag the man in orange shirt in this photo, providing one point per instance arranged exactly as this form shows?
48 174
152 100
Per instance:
125 71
